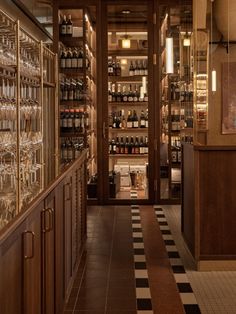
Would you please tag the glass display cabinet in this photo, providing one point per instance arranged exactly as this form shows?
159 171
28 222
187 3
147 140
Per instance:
23 106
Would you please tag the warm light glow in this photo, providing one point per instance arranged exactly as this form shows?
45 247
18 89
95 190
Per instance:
169 55
144 84
123 61
126 43
186 42
213 80
91 29
86 17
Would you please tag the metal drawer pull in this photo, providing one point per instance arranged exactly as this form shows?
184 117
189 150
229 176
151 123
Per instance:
32 244
50 215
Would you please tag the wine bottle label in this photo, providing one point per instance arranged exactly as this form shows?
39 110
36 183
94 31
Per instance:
64 154
109 98
143 123
125 98
80 63
63 29
69 123
110 70
70 154
64 123
129 124
77 123
68 63
130 98
74 63
65 95
69 29
146 123
71 95
135 98
135 124
63 63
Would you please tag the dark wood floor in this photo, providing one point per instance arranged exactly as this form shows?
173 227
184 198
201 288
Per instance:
116 274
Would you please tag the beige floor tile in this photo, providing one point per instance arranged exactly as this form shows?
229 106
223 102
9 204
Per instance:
143 293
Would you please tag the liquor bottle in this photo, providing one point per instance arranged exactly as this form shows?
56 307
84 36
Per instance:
130 94
118 95
113 92
69 26
146 145
68 59
122 145
74 61
131 147
70 154
109 92
136 71
63 59
127 145
141 146
124 94
136 146
113 146
70 120
110 67
77 121
123 121
135 120
142 120
117 145
131 69
146 118
80 59
118 69
129 120
63 26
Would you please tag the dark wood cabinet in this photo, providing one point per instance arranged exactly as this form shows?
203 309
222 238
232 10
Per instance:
40 252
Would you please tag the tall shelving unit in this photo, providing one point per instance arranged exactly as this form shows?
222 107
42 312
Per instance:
77 77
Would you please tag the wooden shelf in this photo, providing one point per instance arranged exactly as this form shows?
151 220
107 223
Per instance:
131 103
71 41
129 52
113 130
72 103
72 134
128 156
72 71
130 79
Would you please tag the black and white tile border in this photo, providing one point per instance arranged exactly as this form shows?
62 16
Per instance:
143 295
186 293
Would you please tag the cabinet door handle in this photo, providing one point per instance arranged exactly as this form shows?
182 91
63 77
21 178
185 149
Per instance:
32 244
50 216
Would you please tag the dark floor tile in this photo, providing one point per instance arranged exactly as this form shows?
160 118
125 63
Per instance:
184 287
121 292
136 221
139 252
90 303
121 304
135 214
121 282
138 240
178 269
140 265
137 229
163 223
97 292
142 283
165 232
169 242
144 304
158 210
89 282
173 254
160 215
192 309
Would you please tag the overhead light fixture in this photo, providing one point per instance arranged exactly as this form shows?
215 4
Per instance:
186 41
123 61
169 55
126 43
213 80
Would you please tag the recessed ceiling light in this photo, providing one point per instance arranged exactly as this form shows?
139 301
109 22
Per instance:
126 11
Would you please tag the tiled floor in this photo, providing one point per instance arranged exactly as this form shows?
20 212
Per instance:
136 262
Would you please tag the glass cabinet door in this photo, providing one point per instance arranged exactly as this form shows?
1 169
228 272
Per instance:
128 102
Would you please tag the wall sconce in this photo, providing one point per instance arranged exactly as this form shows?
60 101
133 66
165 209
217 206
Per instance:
169 55
213 80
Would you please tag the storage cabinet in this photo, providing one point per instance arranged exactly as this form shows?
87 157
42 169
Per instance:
40 254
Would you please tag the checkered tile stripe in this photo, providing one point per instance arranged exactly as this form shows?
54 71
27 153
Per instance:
143 295
186 293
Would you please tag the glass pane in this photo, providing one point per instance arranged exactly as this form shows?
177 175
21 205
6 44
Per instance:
128 101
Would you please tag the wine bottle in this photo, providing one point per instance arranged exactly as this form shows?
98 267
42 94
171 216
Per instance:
131 69
117 145
146 118
109 92
80 59
118 69
69 26
130 94
122 145
146 145
136 71
113 93
68 59
110 67
118 96
135 120
63 26
127 145
129 120
123 121
63 59
74 61
142 120
124 94
141 146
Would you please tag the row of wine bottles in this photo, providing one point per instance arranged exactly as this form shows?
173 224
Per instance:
118 120
130 145
131 93
176 149
66 26
136 67
71 148
74 120
72 89
73 59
